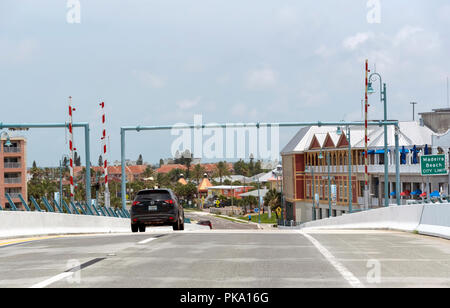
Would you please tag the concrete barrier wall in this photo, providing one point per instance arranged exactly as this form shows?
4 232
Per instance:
429 219
39 223
405 217
436 220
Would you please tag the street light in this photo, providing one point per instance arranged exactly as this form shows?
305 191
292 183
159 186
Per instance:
310 168
279 173
8 140
370 90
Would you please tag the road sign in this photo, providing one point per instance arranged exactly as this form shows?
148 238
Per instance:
433 165
256 210
217 203
278 210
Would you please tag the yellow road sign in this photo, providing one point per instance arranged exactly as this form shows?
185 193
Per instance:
278 210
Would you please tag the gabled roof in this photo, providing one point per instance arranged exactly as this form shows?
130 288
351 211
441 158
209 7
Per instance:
328 142
315 144
411 133
182 181
204 184
342 142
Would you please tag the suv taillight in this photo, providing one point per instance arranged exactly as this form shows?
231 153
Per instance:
135 203
170 201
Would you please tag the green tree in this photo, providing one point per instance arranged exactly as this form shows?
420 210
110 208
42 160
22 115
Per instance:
148 172
100 161
221 170
186 192
184 159
197 173
273 200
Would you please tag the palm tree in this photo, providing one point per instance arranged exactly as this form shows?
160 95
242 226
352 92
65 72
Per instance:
273 200
197 172
221 170
148 172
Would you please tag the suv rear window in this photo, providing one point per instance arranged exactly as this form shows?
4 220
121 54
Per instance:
153 195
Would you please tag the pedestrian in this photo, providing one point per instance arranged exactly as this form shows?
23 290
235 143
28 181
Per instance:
249 217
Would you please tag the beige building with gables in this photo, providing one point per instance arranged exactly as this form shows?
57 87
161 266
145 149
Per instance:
305 168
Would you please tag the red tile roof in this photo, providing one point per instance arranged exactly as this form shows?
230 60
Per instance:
170 167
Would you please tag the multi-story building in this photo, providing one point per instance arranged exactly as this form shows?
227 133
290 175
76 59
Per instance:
306 155
13 171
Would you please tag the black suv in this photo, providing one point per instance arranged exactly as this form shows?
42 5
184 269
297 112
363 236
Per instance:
156 207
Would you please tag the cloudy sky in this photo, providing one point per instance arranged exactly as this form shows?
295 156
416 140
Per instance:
161 62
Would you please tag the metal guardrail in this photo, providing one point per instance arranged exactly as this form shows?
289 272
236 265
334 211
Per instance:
70 208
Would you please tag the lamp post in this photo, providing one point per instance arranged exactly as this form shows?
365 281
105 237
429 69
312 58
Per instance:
310 168
329 185
60 176
349 166
8 139
279 172
370 90
259 203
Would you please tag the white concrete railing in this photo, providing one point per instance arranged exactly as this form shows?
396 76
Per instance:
428 219
18 223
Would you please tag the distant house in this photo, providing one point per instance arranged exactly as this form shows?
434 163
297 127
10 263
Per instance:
167 168
115 172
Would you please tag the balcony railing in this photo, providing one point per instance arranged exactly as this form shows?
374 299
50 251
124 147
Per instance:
11 149
12 165
13 180
404 169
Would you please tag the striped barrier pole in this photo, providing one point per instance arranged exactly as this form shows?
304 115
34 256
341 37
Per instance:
105 157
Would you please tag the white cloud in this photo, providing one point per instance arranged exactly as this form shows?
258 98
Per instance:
21 51
187 104
149 79
287 15
261 79
353 42
242 111
324 51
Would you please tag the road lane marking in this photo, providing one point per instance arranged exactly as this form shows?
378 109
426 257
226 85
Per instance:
68 273
52 280
26 240
147 240
351 279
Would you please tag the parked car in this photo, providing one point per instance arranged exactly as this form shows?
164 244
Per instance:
205 223
156 207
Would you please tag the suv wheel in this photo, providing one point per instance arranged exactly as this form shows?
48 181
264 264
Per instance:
141 228
134 228
176 226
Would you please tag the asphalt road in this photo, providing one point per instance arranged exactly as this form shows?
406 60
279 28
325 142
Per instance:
227 258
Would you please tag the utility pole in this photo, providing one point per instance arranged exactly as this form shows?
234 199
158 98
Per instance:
366 138
414 113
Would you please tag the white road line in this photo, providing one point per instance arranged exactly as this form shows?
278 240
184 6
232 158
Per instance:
147 240
351 279
49 281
